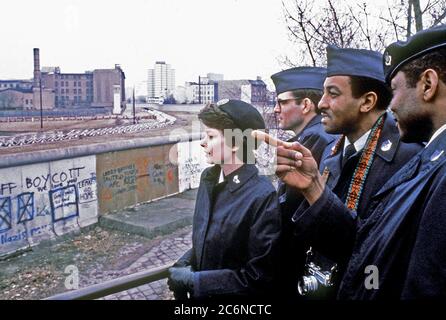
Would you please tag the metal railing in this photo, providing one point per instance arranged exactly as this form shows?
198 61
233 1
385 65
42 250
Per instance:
113 286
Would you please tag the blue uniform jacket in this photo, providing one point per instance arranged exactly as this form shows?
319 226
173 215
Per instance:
314 137
404 235
235 235
313 223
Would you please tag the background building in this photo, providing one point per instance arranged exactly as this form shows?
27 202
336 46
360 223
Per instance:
250 91
106 82
16 98
97 88
16 94
204 91
70 89
16 84
160 81
215 76
213 88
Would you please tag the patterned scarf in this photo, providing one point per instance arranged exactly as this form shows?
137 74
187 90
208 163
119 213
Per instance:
363 166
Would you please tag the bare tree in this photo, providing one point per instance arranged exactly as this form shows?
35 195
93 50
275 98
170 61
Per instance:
314 25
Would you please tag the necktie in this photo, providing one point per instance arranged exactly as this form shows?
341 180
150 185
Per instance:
349 151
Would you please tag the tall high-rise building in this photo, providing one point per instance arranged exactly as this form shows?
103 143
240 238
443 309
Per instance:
160 80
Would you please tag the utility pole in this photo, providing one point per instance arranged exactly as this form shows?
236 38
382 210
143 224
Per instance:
41 108
199 89
134 112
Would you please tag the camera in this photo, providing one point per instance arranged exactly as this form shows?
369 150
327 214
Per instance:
319 273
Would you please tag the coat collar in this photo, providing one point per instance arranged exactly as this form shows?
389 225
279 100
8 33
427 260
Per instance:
423 162
212 175
387 143
313 122
389 140
235 180
436 150
406 173
241 176
333 164
386 149
316 120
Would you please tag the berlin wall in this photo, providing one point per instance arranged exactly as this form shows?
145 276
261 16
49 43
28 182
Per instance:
129 177
44 200
48 194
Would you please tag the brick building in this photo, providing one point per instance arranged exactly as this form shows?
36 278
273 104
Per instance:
96 88
250 91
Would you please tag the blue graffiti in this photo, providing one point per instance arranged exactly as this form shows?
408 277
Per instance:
5 214
43 212
64 203
25 207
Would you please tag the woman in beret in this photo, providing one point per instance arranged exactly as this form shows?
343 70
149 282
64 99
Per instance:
236 223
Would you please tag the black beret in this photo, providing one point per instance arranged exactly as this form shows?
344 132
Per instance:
354 62
299 78
244 115
401 52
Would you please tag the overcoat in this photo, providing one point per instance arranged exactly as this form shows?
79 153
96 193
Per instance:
314 137
236 228
312 223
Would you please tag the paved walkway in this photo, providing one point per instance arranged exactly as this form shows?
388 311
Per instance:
161 217
167 252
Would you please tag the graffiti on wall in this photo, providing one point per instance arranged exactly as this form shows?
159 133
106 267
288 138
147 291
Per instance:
133 176
120 180
191 163
87 190
160 173
64 203
44 200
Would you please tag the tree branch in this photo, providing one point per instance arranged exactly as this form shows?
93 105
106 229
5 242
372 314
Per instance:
417 15
300 22
439 18
336 21
409 20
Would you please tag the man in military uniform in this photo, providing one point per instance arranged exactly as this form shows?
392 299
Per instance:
399 251
364 157
298 93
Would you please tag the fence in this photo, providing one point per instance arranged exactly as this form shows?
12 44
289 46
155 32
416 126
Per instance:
114 286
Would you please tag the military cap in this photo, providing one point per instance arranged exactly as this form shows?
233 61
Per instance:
401 52
299 78
244 115
354 62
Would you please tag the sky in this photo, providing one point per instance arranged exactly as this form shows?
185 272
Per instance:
241 39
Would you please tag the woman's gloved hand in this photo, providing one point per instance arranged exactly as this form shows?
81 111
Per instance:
181 281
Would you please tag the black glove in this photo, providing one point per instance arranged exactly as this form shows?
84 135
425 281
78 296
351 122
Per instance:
181 281
181 263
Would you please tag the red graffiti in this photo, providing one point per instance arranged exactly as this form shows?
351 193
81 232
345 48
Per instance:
170 176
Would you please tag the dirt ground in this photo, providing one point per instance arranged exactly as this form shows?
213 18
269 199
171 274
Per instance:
99 254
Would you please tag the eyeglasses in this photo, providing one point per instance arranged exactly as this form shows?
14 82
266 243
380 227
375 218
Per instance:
281 102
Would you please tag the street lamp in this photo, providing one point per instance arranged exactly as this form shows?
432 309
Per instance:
199 90
134 112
